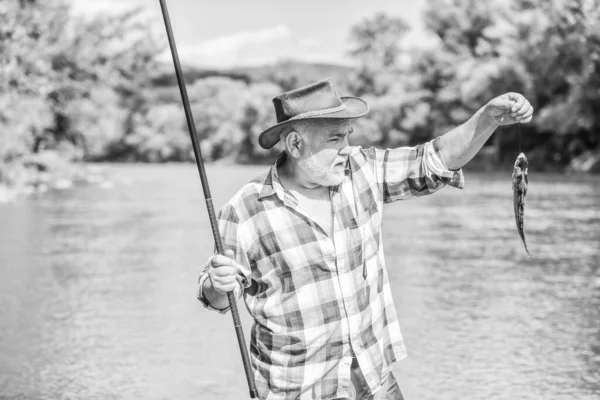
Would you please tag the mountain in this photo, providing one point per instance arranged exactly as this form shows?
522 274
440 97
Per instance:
288 74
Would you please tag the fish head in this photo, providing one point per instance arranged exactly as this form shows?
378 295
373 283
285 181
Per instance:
521 162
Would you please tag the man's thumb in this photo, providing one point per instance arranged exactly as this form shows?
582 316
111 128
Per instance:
229 253
503 103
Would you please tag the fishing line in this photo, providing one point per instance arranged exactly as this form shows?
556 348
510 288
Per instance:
583 375
519 130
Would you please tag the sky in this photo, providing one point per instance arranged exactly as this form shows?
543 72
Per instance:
229 33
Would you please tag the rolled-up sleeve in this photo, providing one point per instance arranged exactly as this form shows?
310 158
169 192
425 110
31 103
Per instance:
407 172
232 239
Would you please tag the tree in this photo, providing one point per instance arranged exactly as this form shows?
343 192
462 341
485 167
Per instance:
114 52
470 51
28 31
546 50
558 44
376 41
465 25
258 114
376 46
82 74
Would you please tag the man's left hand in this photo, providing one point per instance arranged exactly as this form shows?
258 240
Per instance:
510 108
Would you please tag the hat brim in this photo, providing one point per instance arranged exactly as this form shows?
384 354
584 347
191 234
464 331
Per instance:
355 108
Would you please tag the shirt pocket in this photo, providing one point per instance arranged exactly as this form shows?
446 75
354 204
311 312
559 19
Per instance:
363 237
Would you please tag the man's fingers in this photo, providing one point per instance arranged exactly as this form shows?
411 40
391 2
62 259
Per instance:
527 117
517 98
521 111
224 284
524 109
219 260
224 288
224 271
223 280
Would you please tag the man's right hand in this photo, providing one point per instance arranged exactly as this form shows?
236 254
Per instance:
223 272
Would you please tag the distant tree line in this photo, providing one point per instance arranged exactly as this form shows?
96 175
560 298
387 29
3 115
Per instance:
94 89
547 50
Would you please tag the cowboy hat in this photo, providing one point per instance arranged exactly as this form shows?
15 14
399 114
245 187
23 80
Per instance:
316 101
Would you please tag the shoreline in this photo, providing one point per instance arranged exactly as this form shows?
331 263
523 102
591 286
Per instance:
45 171
48 172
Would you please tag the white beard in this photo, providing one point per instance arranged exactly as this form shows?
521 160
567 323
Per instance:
323 175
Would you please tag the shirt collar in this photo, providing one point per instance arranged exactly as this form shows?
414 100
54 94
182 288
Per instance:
272 184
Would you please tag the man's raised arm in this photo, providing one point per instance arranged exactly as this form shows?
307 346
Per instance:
460 145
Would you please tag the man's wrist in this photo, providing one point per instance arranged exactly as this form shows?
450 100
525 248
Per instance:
490 120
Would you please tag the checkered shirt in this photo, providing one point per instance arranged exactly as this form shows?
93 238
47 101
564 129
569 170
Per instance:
322 300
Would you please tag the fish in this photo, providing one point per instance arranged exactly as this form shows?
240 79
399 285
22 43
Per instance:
519 185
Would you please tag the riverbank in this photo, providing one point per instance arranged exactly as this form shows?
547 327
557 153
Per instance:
45 171
49 170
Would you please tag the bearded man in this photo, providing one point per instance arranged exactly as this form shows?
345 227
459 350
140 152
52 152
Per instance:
304 245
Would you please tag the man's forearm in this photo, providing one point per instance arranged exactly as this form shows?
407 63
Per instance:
217 300
461 144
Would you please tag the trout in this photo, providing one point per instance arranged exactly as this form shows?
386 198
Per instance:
519 184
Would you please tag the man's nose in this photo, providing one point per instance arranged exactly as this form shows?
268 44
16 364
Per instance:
346 150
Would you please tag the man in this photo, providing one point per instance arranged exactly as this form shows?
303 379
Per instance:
305 241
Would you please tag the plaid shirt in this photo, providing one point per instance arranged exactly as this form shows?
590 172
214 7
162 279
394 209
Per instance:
323 300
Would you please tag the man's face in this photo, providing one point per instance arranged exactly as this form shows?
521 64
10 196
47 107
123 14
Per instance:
327 150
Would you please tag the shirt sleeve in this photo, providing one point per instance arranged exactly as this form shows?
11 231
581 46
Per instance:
229 228
407 172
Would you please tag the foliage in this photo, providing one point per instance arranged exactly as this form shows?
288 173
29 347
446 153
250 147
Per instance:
558 44
376 46
230 115
93 89
71 84
547 50
377 41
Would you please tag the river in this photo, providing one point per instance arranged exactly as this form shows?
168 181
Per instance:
97 290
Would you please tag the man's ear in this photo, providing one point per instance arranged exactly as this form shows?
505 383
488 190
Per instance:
295 144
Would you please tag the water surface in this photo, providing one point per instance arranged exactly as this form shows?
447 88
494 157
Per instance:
97 290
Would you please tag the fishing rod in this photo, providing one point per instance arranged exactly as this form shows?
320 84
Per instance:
209 204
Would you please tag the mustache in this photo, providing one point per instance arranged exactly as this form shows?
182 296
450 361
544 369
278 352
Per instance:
344 161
